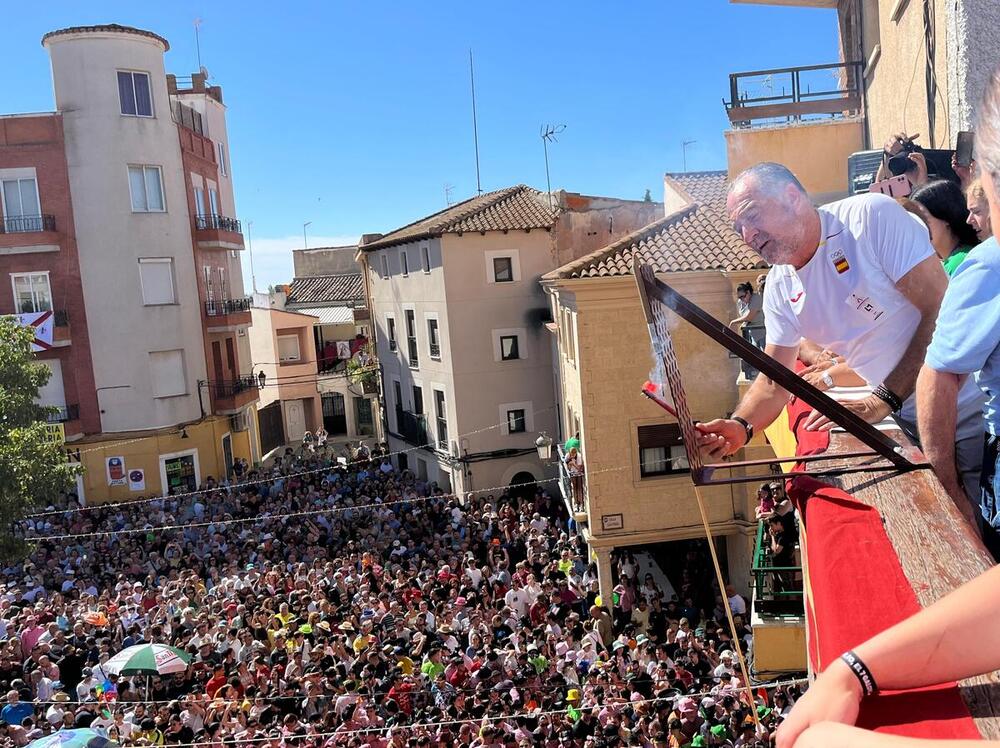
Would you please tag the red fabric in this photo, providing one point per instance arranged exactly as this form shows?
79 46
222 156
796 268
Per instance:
856 589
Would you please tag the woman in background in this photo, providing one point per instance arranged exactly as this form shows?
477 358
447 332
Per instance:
979 210
953 238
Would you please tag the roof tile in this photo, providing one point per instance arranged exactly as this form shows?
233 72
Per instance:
326 288
514 208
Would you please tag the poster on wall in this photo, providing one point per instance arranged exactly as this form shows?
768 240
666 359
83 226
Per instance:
116 471
137 480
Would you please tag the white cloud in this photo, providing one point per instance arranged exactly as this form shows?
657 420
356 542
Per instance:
272 257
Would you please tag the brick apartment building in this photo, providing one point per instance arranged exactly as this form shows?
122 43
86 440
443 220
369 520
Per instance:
117 217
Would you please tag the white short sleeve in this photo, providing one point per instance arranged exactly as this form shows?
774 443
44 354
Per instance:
900 242
779 320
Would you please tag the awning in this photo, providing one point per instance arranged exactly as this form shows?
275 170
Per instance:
330 315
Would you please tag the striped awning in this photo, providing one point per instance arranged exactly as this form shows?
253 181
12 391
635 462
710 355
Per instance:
330 315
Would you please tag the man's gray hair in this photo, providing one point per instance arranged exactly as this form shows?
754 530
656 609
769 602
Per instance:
988 126
771 177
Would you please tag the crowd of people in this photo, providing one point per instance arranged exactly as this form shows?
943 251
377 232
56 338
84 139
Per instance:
329 604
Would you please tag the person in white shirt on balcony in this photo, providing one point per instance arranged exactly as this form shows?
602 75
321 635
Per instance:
859 277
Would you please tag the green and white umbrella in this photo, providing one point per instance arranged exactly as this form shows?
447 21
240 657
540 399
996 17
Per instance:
148 659
84 738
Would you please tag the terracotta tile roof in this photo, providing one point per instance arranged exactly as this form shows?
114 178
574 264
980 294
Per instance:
322 289
114 27
695 237
511 209
705 187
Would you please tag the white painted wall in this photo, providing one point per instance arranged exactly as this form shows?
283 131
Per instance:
100 143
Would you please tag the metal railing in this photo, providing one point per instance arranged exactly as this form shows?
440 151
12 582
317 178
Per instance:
217 222
435 350
777 589
795 94
222 307
566 483
27 224
63 413
231 387
412 426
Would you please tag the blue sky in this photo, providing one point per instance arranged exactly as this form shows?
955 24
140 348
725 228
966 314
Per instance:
355 116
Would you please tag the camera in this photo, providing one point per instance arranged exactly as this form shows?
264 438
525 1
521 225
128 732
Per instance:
901 163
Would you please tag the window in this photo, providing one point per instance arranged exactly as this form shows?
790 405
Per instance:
390 324
404 262
418 400
411 338
146 186
425 257
503 270
397 390
222 283
199 201
433 341
31 292
661 450
223 169
288 348
385 266
134 94
209 286
509 349
166 370
441 417
516 423
213 200
21 211
156 275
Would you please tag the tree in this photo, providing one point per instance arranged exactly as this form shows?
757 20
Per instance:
33 469
648 197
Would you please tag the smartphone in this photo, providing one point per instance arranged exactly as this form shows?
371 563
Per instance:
898 186
963 148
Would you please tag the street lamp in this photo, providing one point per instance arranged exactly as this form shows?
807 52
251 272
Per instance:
544 446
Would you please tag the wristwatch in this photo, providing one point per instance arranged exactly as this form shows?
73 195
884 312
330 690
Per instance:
827 380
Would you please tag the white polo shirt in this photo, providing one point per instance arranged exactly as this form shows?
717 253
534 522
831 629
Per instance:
845 298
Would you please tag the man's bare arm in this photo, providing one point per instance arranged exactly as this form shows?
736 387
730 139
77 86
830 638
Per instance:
924 287
937 408
763 403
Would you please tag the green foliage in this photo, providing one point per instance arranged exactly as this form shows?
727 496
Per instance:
648 197
33 469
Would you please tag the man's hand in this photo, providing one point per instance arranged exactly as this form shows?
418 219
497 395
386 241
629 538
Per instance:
834 697
815 375
919 176
872 409
720 438
834 735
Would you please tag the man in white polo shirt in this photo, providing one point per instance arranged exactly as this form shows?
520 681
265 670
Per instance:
858 277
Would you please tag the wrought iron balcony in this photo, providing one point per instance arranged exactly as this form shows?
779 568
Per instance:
27 224
794 95
777 589
215 222
222 307
63 413
412 426
231 387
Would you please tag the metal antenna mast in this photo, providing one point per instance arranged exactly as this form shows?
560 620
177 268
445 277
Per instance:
475 124
548 134
197 40
684 152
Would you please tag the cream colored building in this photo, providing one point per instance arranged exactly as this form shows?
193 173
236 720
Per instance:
638 490
459 317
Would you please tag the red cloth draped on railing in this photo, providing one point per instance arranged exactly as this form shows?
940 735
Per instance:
855 588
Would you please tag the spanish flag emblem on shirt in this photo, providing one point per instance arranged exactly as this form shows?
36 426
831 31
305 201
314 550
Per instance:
840 263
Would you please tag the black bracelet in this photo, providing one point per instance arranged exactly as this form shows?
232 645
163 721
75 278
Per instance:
747 426
889 397
861 672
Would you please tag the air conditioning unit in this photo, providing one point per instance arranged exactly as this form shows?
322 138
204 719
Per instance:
861 170
240 421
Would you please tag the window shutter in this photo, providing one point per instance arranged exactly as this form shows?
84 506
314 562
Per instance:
167 373
660 435
157 277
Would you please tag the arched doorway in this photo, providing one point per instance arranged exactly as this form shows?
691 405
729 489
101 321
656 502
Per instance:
522 485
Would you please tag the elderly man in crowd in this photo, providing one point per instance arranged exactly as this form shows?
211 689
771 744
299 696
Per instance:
383 612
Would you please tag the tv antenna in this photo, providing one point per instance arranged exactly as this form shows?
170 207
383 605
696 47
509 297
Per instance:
197 40
475 125
684 152
548 134
448 189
